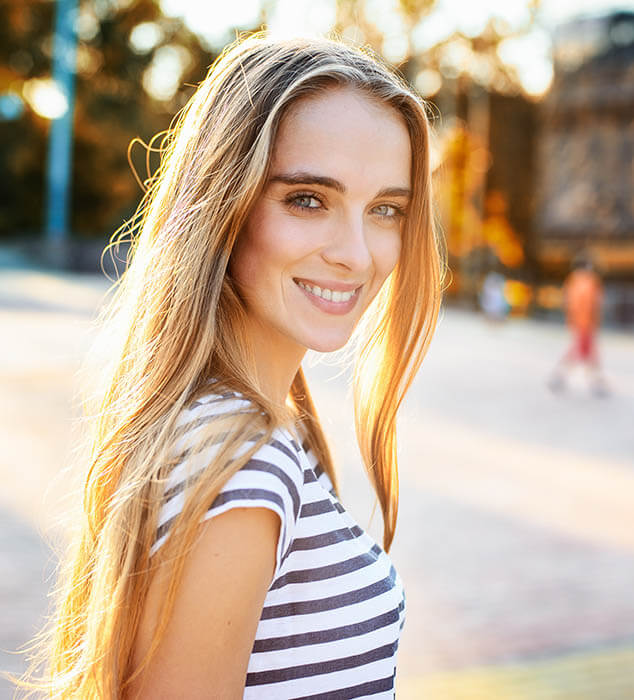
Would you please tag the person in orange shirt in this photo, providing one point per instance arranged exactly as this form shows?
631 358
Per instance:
583 297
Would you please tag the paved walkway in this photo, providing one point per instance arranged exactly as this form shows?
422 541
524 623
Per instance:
515 536
516 531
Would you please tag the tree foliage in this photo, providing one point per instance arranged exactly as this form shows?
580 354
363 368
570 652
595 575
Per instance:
113 106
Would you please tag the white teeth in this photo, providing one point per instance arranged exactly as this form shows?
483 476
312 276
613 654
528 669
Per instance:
328 294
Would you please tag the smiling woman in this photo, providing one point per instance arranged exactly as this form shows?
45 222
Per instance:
292 210
325 234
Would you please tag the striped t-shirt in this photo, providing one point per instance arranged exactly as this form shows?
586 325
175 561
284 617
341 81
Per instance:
332 616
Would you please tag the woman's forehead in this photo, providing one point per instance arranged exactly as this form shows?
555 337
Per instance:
344 134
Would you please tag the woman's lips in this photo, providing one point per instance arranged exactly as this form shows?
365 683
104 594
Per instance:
338 307
330 284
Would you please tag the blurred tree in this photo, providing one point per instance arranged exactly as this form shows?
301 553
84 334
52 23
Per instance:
474 58
23 56
135 69
487 127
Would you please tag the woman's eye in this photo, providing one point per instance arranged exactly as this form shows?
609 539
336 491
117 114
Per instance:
389 211
304 201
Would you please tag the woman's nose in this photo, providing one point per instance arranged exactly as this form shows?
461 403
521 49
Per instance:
348 245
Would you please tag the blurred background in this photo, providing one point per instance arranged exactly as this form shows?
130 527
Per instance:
515 532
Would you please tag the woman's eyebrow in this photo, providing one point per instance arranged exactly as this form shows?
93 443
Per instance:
394 192
304 178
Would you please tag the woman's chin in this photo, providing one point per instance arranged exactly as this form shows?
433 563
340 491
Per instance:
328 344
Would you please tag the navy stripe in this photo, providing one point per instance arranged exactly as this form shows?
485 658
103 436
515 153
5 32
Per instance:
210 418
247 495
199 449
295 445
326 538
355 629
226 497
282 448
258 465
321 668
309 476
317 468
289 549
190 478
174 491
317 508
164 528
220 438
356 691
307 607
321 573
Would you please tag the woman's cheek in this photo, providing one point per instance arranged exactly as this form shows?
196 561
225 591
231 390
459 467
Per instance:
388 252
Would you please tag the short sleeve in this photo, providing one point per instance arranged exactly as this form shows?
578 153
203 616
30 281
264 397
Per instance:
272 479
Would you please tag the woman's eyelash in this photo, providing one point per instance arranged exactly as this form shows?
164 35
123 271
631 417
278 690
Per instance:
398 211
294 199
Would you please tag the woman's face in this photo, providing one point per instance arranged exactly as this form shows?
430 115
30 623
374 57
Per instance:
326 231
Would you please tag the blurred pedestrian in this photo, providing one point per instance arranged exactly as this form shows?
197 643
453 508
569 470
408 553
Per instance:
214 558
492 299
583 296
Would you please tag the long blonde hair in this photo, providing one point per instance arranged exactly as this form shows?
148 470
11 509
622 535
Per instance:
176 320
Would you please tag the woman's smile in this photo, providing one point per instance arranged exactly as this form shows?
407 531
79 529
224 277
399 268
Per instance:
333 298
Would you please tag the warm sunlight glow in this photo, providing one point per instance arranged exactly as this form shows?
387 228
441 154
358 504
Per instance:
215 21
428 82
302 18
145 36
530 56
45 98
163 76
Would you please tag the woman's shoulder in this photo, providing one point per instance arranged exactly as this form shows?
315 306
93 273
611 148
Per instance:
223 407
214 400
217 418
213 412
271 477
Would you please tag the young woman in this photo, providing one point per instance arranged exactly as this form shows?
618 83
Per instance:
292 208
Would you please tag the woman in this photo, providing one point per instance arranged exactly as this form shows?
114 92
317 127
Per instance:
215 560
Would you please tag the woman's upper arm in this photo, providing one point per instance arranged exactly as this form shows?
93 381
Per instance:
209 638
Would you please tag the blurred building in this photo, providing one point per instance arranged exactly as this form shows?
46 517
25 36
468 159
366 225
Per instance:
585 156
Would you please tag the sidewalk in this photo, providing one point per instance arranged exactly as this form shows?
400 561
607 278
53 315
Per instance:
516 528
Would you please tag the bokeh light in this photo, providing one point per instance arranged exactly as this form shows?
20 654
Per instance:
45 97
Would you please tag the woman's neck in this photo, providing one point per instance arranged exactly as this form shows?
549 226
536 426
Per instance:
277 360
